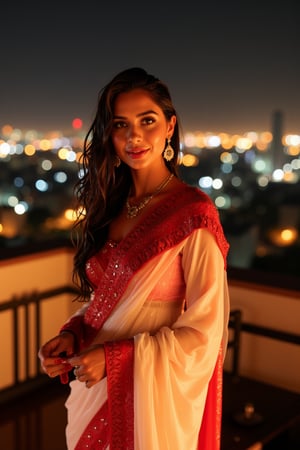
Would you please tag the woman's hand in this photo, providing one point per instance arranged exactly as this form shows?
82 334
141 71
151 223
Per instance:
89 365
54 354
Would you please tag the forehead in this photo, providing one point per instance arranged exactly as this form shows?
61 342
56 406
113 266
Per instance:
135 102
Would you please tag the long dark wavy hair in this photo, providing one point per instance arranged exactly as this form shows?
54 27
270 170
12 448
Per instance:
103 188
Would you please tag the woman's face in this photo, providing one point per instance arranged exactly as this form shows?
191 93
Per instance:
140 129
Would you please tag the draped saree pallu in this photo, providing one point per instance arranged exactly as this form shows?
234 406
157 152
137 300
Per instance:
111 426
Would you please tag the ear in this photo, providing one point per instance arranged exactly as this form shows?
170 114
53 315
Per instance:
171 126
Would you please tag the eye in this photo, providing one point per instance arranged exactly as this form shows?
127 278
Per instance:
119 124
148 120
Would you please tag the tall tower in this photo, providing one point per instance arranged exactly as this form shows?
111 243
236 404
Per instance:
277 155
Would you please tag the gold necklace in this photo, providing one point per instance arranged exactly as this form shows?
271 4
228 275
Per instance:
133 211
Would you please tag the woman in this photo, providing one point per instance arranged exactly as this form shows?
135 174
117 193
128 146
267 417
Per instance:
147 346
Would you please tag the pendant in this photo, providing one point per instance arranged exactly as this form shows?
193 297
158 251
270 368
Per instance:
132 211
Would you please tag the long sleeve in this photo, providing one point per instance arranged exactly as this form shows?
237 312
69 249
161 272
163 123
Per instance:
75 325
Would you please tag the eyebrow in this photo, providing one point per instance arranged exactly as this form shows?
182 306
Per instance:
144 113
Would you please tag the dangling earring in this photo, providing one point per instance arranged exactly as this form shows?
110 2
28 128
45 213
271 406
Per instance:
117 161
168 152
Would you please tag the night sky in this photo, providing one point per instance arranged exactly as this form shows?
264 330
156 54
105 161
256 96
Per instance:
228 65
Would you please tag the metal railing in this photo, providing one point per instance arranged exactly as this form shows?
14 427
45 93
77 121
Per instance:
22 331
35 299
238 326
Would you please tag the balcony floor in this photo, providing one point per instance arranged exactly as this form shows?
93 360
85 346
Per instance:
37 421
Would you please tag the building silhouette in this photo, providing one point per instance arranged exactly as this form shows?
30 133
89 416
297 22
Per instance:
277 154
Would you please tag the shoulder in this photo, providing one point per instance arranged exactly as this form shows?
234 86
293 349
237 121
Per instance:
195 194
195 210
190 198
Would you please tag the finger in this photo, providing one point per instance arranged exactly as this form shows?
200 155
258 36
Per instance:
90 383
53 361
60 361
57 366
79 374
81 378
76 371
74 361
54 370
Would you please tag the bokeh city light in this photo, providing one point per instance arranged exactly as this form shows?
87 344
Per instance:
239 172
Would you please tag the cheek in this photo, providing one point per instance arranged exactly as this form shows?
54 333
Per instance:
117 142
159 142
158 136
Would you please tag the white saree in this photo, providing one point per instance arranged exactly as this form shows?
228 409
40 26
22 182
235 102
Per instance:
175 308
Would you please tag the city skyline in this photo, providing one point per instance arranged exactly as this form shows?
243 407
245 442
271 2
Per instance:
255 192
79 125
228 66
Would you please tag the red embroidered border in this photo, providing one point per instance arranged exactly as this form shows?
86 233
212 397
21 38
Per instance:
119 367
210 431
96 434
191 209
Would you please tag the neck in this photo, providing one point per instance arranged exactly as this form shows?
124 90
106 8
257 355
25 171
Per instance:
134 210
146 184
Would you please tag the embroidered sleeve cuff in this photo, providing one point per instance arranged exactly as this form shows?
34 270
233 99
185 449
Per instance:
75 326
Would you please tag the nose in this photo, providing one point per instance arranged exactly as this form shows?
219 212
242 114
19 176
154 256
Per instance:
134 133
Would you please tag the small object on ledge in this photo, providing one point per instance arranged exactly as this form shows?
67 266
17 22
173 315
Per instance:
248 417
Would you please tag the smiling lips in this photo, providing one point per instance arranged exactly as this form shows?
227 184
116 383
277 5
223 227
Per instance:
136 153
